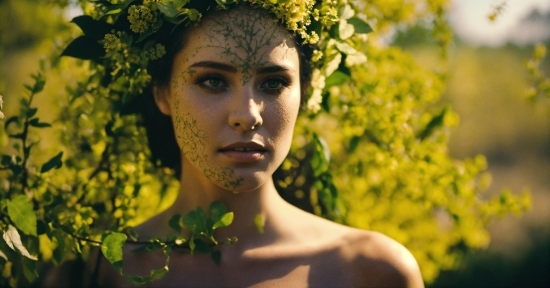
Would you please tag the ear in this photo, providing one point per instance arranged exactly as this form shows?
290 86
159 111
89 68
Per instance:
161 95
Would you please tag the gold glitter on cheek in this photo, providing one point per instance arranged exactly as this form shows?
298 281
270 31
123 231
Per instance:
192 141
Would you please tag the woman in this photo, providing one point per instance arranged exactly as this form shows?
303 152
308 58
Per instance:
233 96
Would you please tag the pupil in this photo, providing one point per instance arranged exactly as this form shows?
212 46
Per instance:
272 84
214 82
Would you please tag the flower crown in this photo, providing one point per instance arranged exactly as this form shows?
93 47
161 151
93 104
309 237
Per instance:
124 36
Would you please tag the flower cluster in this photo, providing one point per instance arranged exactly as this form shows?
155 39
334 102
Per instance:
154 53
331 25
295 14
141 18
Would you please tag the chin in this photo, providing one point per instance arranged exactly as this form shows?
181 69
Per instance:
247 183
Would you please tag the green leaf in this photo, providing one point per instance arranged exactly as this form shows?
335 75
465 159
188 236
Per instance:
337 78
31 112
114 11
169 10
22 214
159 273
17 136
222 4
85 48
6 161
196 221
259 222
437 121
61 250
29 270
55 162
361 26
180 3
13 119
38 85
36 123
28 87
92 28
321 156
144 280
193 14
77 247
203 247
111 247
217 209
142 36
175 222
224 221
116 8
42 227
13 239
217 257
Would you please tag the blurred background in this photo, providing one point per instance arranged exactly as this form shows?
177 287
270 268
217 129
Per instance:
487 88
487 84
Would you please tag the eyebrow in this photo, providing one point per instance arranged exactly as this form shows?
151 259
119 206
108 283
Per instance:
272 69
231 68
215 65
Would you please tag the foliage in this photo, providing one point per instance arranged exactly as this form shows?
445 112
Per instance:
384 166
541 84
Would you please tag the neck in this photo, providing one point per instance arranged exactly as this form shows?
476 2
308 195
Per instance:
263 201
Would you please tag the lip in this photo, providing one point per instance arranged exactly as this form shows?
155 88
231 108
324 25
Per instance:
244 152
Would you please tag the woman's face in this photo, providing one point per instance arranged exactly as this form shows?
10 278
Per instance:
234 98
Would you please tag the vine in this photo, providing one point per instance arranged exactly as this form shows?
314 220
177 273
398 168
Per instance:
370 151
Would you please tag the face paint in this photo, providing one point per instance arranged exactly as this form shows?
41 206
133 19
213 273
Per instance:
235 83
192 144
245 39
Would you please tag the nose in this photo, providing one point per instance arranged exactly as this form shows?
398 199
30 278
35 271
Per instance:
245 114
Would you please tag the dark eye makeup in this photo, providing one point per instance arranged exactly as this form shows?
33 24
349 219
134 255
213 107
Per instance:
274 85
212 83
216 83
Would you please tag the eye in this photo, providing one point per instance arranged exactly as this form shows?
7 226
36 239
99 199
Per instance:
212 83
274 85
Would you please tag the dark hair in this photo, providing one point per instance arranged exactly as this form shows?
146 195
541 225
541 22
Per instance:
160 132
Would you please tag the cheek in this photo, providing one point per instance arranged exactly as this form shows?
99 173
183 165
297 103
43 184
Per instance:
286 113
193 142
191 138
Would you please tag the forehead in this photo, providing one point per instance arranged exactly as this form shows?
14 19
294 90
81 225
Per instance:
243 36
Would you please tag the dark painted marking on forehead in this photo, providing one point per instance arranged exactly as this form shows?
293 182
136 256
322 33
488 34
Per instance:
246 33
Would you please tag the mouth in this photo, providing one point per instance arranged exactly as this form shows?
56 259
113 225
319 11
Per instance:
244 147
244 152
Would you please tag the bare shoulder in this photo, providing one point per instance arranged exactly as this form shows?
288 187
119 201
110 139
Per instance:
366 258
376 260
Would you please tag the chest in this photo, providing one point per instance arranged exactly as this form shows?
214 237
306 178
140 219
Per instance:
201 271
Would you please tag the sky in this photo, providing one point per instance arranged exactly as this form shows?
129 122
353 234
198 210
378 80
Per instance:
469 19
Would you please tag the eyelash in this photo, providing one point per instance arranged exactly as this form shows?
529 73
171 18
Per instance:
201 82
282 81
223 84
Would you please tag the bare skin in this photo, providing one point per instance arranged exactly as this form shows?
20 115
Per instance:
213 106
